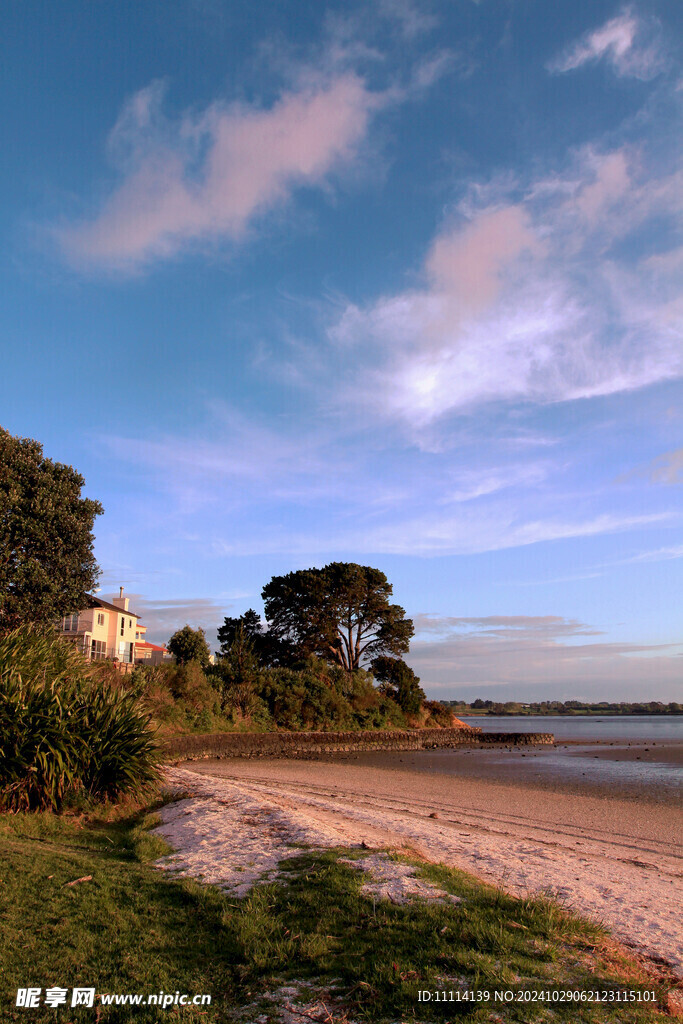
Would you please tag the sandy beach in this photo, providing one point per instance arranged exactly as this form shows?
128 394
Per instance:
612 859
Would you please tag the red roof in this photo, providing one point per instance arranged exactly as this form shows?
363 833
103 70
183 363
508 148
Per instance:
152 647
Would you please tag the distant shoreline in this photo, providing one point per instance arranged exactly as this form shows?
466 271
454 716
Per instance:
468 713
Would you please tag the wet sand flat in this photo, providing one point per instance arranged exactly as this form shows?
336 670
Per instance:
622 750
651 773
613 859
669 754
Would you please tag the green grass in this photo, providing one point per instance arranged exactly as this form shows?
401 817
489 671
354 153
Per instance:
133 929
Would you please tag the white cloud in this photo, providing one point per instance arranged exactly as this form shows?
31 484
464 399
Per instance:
526 301
660 555
471 532
209 175
626 42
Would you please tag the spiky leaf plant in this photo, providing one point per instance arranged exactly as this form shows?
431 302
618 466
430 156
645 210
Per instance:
38 749
62 731
119 754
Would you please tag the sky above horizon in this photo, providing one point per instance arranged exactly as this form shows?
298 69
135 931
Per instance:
397 284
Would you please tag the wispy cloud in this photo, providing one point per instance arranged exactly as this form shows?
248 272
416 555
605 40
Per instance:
244 459
517 626
285 489
527 301
629 43
658 555
662 554
664 469
525 657
208 175
164 617
413 18
668 468
427 536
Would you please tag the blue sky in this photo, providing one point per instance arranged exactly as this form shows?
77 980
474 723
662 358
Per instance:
395 283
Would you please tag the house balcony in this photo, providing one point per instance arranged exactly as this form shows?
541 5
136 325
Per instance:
97 650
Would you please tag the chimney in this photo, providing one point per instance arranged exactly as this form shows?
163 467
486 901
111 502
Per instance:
121 601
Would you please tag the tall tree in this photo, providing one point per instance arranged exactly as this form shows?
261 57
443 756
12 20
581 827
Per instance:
341 612
263 644
188 644
47 564
249 623
238 671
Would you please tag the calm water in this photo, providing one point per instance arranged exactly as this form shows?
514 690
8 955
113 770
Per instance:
635 756
642 754
654 728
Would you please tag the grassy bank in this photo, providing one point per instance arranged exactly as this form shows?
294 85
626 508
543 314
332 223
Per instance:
130 929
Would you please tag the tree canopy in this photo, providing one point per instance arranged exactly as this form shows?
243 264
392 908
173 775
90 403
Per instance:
250 630
399 682
247 629
250 624
47 564
188 644
341 613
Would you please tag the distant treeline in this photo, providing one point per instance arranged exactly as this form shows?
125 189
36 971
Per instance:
567 707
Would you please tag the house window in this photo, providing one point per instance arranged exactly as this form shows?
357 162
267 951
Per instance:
98 650
130 623
125 652
71 623
100 618
123 626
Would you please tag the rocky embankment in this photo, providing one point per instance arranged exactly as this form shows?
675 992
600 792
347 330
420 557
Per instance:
308 744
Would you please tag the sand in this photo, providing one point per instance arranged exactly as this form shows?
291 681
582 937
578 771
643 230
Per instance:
614 860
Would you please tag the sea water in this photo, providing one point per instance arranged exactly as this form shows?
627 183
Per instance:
590 728
638 753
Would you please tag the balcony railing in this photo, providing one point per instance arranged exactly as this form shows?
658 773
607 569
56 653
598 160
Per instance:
99 653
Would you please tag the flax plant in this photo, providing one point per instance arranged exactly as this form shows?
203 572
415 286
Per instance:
63 731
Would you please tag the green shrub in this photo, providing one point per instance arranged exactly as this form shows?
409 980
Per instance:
118 753
437 714
189 684
62 732
371 708
39 752
179 697
303 700
400 683
43 656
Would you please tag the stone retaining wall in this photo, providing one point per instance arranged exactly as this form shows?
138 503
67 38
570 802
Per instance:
308 744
